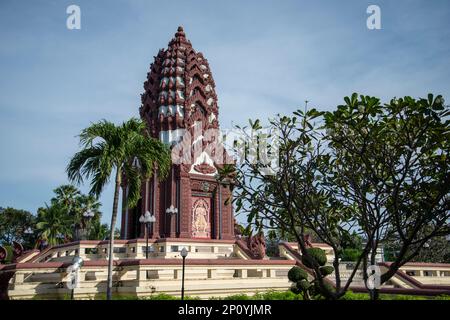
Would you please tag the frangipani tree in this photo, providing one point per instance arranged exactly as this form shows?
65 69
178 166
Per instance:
391 163
381 171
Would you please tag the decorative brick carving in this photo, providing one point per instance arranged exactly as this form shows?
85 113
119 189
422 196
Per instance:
204 168
179 77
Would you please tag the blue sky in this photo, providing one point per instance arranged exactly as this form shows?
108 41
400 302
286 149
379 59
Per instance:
267 57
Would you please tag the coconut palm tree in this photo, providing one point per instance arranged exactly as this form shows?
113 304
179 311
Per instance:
123 151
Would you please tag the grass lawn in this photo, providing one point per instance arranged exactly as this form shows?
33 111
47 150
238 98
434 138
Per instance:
270 295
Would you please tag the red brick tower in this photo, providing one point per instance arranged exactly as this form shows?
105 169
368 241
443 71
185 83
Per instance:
179 102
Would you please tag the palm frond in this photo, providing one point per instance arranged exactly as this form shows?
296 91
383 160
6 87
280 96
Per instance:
103 129
134 182
77 165
134 125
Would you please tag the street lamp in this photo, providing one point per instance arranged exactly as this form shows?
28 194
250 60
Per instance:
171 211
184 254
28 231
147 219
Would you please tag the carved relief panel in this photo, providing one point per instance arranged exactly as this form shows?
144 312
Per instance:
201 217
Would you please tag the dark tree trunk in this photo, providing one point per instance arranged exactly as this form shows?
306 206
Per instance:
374 293
111 235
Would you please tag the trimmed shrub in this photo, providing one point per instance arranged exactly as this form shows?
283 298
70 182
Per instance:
317 254
296 274
303 285
326 270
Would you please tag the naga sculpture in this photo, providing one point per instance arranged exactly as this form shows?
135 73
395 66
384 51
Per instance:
257 246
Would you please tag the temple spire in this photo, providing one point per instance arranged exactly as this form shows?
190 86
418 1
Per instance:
179 95
180 36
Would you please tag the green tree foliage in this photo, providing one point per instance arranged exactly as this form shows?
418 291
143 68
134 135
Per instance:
390 162
352 245
98 230
120 151
76 205
380 171
13 224
436 250
66 211
54 224
349 254
67 196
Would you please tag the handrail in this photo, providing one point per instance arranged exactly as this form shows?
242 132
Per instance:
413 281
399 273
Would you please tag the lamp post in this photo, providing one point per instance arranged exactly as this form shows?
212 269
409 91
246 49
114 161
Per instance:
147 219
184 254
171 211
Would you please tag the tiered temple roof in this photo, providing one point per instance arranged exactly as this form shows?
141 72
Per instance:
179 91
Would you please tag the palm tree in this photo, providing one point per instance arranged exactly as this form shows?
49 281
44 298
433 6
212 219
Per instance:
76 204
66 195
98 230
125 150
53 224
